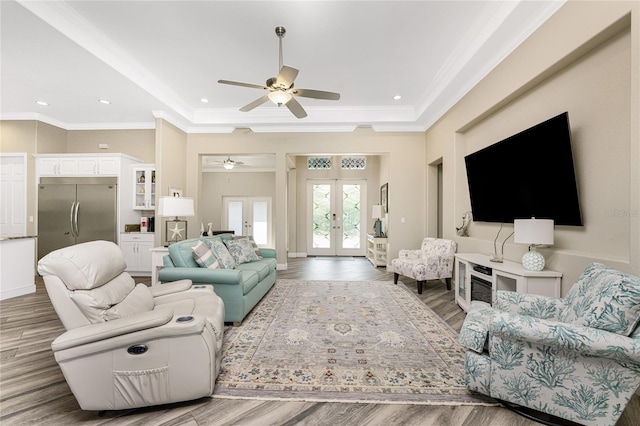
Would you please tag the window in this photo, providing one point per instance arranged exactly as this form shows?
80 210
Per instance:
354 163
319 163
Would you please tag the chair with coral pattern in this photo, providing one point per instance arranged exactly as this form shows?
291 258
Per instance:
576 358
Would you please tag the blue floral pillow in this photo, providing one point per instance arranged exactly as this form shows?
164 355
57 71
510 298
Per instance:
604 298
222 254
242 250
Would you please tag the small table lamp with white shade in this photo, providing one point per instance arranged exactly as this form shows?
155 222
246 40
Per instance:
174 207
533 232
376 213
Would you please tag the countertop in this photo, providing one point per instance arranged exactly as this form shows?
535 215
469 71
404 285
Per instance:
17 237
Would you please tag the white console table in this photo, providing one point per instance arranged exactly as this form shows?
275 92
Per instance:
157 254
377 250
471 282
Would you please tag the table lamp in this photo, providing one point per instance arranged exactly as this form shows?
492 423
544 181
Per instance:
174 207
533 232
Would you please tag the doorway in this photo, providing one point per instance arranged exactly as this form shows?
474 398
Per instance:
249 216
336 214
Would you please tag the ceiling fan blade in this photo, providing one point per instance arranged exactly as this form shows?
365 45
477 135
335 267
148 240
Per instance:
255 103
286 76
237 83
296 108
316 94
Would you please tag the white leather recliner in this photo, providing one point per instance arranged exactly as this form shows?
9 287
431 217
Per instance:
129 345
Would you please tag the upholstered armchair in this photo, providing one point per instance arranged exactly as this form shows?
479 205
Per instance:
433 261
576 358
129 345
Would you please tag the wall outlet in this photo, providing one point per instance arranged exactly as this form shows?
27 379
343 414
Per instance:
402 220
103 146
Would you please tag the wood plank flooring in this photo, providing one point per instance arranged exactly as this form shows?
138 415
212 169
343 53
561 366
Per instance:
34 392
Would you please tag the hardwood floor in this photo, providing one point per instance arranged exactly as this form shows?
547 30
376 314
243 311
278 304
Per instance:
33 390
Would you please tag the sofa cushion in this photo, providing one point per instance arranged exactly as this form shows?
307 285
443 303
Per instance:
203 255
604 298
250 279
222 254
182 255
259 267
242 250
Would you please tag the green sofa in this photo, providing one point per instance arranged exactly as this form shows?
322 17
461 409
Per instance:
240 288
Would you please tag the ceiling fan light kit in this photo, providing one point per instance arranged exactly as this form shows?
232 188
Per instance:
281 91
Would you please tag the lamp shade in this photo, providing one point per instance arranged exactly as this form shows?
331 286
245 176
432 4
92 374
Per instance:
175 206
533 231
376 211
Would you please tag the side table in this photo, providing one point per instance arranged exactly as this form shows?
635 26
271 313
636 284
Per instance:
157 254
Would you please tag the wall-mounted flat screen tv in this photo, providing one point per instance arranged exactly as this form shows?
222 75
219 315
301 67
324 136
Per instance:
530 174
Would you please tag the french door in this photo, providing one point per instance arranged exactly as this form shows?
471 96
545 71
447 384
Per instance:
336 217
249 216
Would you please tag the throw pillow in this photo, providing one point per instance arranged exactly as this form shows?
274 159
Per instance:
203 255
605 299
241 250
256 249
222 254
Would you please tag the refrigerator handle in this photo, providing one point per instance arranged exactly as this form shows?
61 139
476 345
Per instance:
75 218
73 230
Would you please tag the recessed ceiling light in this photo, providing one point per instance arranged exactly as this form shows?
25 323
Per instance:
397 97
104 101
43 103
204 100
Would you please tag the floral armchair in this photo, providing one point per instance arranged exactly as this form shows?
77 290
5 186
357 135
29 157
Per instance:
433 261
576 358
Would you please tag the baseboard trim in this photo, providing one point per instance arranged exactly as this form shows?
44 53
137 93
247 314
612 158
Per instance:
297 255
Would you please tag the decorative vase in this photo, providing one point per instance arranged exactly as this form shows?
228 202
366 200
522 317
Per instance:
533 260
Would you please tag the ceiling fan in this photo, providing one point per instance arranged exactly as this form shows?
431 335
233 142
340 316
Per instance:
229 163
281 90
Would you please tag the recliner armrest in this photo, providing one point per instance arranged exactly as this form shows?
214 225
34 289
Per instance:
95 332
201 275
170 288
476 326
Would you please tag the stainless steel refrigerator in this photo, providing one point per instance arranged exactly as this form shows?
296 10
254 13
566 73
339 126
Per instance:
76 210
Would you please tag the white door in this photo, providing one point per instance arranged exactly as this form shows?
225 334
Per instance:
13 194
249 216
337 211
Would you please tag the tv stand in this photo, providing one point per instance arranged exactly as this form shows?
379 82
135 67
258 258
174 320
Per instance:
475 275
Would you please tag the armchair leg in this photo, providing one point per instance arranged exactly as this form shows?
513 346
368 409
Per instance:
395 278
448 281
420 284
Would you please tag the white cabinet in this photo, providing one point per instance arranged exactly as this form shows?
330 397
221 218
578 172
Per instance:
78 165
57 166
144 194
477 278
104 166
377 250
136 249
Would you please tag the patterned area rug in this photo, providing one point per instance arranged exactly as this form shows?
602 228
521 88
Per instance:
346 342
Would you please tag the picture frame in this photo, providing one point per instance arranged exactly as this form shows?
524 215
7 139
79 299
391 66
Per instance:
384 197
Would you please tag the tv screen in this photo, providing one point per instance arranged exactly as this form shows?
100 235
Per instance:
530 174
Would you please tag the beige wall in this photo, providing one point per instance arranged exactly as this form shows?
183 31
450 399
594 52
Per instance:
593 74
404 172
136 143
170 161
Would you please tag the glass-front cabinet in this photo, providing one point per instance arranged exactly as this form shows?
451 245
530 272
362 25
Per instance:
460 276
144 196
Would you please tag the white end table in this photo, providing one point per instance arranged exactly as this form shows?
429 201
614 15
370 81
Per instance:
157 253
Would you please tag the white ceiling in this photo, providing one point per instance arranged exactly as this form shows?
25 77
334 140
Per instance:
159 58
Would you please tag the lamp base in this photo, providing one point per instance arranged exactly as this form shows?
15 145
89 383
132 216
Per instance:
533 260
377 227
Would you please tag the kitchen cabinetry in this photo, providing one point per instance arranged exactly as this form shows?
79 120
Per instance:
144 196
78 165
477 278
377 250
136 248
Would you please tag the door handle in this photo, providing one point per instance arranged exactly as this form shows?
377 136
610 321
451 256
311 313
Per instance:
76 218
73 205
